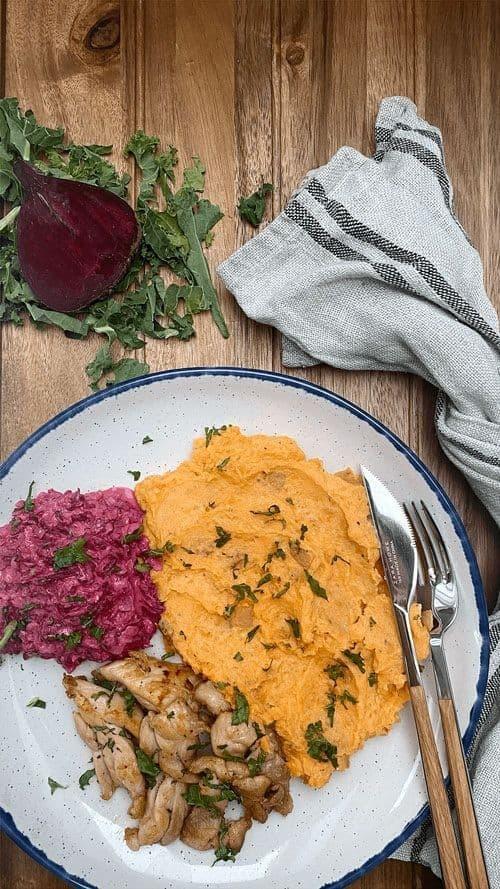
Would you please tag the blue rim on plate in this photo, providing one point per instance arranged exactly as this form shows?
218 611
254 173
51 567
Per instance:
7 822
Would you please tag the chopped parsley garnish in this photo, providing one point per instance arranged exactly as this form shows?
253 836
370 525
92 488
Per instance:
54 785
372 679
142 567
96 632
167 655
147 439
317 745
269 645
84 780
222 537
284 589
372 621
264 579
303 531
129 701
335 671
86 620
135 473
71 640
221 685
134 535
71 554
211 431
223 852
253 207
356 658
167 547
238 656
147 766
251 633
29 503
347 696
75 598
294 626
315 586
223 463
273 510
242 590
37 702
330 707
341 559
241 711
255 765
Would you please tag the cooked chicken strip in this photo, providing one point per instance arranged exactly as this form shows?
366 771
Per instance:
209 695
201 829
154 683
155 823
96 706
121 763
223 769
253 796
178 811
103 776
147 737
176 733
85 731
236 831
232 739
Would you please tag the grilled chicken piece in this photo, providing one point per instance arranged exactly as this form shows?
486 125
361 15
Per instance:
121 762
253 796
178 721
163 818
103 776
201 829
275 768
232 739
154 683
210 697
224 770
85 731
147 737
96 706
236 831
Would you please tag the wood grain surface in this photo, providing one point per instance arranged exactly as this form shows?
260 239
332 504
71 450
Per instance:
261 89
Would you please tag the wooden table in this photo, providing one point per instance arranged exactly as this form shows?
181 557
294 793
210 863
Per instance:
261 89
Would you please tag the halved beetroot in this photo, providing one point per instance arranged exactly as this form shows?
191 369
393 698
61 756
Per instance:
74 241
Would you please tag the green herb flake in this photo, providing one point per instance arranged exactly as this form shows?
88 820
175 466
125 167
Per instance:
315 586
54 785
284 589
37 702
72 640
341 558
224 852
223 537
211 431
255 764
251 633
303 531
356 658
167 655
134 535
147 439
330 707
135 473
85 779
129 701
242 590
223 463
29 503
238 656
372 621
72 554
294 626
334 671
142 567
266 578
347 696
372 679
241 711
272 511
269 646
147 766
317 745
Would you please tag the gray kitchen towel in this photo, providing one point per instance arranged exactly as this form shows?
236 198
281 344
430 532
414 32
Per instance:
368 268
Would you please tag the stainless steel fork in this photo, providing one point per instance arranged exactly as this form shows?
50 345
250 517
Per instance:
440 593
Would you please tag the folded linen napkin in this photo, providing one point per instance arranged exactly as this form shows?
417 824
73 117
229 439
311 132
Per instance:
368 268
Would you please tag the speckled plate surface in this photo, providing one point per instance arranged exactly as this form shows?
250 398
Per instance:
335 834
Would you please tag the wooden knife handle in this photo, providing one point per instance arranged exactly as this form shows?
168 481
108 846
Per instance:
449 855
464 805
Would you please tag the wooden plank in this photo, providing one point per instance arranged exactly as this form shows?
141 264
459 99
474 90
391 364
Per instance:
460 37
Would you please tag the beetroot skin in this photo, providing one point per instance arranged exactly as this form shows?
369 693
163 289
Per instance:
74 241
99 610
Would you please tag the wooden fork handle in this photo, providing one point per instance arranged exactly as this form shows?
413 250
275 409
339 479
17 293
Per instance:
467 822
449 855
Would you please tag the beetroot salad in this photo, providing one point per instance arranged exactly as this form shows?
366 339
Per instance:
74 577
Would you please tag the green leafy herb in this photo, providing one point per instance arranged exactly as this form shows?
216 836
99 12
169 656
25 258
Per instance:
54 785
317 745
284 589
147 766
251 633
147 439
347 696
129 701
315 586
72 640
269 646
37 702
29 503
224 852
252 208
241 711
335 558
255 765
335 671
167 547
242 590
75 598
210 431
265 579
222 537
273 510
84 780
303 531
372 679
330 707
142 567
372 621
294 626
135 473
134 535
167 655
72 554
356 658
238 656
223 463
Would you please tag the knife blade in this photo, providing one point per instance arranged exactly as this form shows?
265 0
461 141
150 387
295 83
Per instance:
399 558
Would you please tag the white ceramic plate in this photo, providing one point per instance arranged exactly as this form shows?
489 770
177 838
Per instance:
333 835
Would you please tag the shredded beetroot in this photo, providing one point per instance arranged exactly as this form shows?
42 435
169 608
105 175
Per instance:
99 609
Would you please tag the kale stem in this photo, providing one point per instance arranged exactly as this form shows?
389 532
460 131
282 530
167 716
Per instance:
9 631
9 218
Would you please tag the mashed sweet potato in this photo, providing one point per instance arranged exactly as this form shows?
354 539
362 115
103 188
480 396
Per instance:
273 585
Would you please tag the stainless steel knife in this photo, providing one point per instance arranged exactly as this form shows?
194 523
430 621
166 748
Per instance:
400 561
